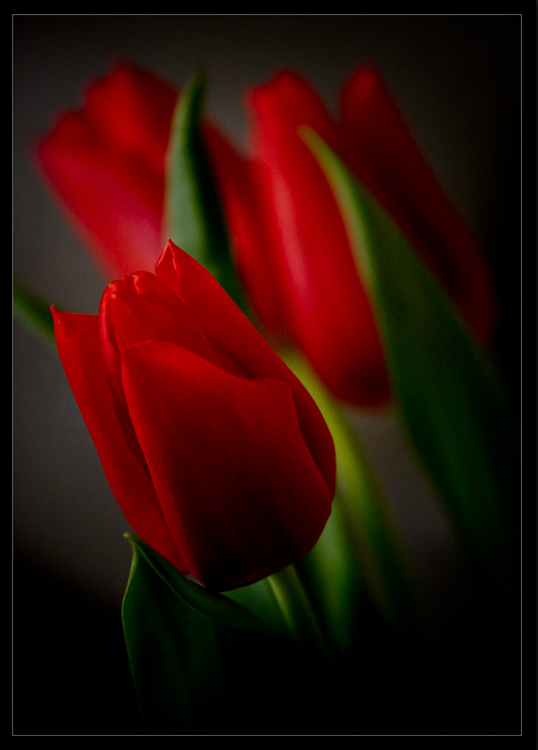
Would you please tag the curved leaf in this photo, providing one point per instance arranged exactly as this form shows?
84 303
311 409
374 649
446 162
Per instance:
195 596
197 666
193 216
448 393
173 653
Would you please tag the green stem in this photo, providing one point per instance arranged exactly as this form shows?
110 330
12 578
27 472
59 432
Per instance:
298 612
334 580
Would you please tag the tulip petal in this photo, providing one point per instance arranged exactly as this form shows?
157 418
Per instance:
329 315
250 232
242 496
79 347
227 327
141 307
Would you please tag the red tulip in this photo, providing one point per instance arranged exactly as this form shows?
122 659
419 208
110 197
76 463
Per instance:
288 230
106 164
215 452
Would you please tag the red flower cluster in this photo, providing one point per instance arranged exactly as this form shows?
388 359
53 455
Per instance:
291 249
217 455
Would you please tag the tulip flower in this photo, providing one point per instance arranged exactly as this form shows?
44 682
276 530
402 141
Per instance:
217 455
105 163
288 238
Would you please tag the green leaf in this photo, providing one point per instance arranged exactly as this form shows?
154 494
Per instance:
334 582
193 215
198 665
449 395
173 652
33 312
259 598
204 602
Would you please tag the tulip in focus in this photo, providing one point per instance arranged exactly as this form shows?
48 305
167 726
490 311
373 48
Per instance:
289 241
217 455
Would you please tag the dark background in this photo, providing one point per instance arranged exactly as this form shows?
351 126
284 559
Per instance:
458 80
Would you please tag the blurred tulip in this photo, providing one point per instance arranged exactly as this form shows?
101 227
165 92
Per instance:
105 163
288 229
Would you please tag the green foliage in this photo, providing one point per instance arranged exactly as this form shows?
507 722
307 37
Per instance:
449 396
203 663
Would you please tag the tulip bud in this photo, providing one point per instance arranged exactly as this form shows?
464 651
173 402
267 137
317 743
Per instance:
216 453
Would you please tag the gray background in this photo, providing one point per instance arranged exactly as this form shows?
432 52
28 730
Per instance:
457 79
